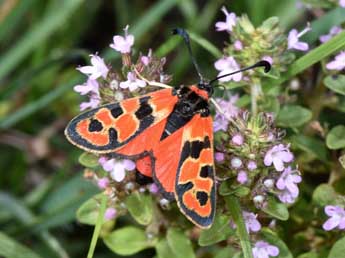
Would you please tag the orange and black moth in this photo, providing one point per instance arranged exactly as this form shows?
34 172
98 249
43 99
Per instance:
169 133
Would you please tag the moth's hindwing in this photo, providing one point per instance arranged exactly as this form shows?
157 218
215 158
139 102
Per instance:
195 185
108 128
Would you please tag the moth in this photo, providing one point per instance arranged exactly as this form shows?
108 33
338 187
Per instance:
169 133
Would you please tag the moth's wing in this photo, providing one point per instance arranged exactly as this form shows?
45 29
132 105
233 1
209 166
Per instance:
195 189
123 127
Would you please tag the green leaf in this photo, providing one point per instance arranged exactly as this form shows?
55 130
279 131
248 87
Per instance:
308 255
226 188
10 248
293 116
88 160
324 194
140 206
89 210
335 83
338 249
276 209
336 138
226 252
273 239
219 231
314 146
127 241
163 249
180 244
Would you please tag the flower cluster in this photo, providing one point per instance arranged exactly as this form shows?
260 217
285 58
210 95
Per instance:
337 218
105 84
249 44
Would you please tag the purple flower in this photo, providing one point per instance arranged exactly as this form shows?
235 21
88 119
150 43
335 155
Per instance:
237 139
146 59
103 182
242 177
342 3
251 165
229 109
293 40
123 44
337 218
154 188
90 86
277 155
219 156
132 82
263 249
93 103
252 224
338 63
238 45
230 21
228 65
268 59
110 214
117 168
335 30
287 183
97 69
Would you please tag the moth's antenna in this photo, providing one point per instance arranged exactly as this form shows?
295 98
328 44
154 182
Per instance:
261 63
183 33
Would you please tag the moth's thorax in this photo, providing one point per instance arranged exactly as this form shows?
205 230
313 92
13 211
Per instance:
201 92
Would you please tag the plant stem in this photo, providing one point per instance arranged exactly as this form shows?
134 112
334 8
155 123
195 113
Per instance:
98 226
255 90
235 210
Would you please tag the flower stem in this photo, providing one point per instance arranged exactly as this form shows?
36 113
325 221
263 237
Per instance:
98 226
235 210
255 91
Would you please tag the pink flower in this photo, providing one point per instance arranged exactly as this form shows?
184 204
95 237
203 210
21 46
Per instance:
230 21
153 188
103 182
219 156
94 102
236 162
123 44
96 70
242 177
335 30
132 82
338 63
263 249
293 40
90 86
229 109
287 183
268 59
238 45
146 59
110 214
251 165
228 65
278 155
237 139
252 224
337 218
117 168
342 3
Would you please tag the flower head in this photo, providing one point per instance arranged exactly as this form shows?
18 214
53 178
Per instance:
338 63
287 183
263 249
252 224
90 86
242 177
117 168
228 65
278 155
123 44
96 69
251 165
293 40
132 82
103 182
337 218
94 102
230 21
219 156
237 139
110 213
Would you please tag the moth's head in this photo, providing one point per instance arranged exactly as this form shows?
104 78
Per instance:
206 86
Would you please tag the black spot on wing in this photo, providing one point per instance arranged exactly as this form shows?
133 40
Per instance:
142 179
116 111
95 126
207 143
206 171
196 149
113 137
202 197
182 188
144 110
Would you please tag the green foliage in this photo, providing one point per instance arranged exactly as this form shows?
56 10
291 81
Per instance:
336 83
338 249
324 195
336 138
88 160
293 116
140 206
273 239
179 243
89 210
276 209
